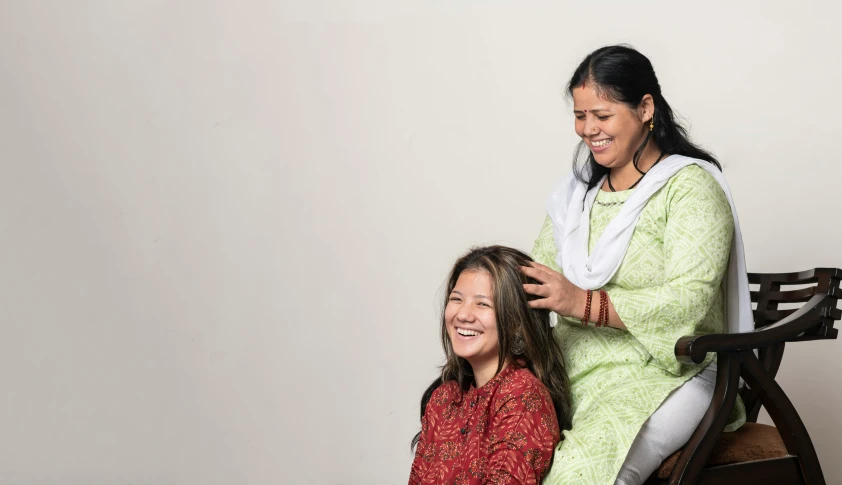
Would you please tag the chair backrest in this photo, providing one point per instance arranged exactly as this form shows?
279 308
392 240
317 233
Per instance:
773 292
776 290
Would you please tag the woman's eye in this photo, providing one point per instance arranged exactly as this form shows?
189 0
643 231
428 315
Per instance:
454 299
580 117
485 304
602 118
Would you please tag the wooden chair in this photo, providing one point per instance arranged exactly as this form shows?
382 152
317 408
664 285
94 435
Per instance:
756 453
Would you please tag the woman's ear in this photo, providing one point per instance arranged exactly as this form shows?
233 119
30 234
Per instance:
646 108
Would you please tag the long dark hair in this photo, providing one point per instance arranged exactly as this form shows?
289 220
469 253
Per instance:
541 355
624 75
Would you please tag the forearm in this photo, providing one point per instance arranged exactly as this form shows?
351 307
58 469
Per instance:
577 310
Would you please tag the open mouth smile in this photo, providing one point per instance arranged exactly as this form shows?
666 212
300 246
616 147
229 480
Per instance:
467 333
600 145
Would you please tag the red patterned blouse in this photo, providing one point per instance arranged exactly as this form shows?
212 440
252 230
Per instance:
501 433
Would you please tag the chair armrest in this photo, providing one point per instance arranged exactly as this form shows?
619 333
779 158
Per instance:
694 348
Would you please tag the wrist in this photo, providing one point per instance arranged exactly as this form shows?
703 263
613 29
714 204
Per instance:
578 302
586 315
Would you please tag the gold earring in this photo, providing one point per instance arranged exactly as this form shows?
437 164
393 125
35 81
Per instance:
652 124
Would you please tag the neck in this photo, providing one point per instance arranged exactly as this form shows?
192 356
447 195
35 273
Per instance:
485 371
624 177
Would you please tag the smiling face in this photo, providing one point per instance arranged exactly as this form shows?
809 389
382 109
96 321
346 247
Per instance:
471 320
612 130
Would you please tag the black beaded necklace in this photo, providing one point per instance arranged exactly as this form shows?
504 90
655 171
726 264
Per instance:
643 174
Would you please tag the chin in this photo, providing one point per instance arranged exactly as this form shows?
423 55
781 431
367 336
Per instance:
602 162
467 355
606 161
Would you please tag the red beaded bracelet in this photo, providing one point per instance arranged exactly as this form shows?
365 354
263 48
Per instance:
603 309
587 317
605 321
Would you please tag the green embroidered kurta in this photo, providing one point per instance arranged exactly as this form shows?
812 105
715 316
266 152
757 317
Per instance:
669 285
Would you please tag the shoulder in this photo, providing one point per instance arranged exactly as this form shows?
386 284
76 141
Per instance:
693 176
523 379
521 389
694 185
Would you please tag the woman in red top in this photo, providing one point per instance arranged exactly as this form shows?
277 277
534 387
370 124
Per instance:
496 413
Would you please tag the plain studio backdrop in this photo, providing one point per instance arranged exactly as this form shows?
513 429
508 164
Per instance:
226 224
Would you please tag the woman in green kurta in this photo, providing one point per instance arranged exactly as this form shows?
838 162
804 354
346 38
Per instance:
633 403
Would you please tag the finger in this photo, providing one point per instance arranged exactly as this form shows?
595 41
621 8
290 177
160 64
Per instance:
543 268
538 290
534 273
543 303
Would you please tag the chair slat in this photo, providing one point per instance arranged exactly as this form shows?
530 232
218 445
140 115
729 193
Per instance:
772 315
793 296
800 277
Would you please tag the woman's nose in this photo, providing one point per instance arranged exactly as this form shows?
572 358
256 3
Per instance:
589 127
465 314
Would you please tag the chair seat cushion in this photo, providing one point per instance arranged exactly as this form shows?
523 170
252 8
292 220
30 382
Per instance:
749 443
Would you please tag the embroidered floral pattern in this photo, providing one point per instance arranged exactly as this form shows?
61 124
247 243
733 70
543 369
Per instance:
477 466
515 440
531 400
449 450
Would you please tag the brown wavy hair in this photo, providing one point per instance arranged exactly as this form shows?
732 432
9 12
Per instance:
541 355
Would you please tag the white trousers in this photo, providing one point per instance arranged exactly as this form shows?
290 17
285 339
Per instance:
669 428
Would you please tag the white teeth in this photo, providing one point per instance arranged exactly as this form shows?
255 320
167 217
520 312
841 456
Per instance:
466 333
601 143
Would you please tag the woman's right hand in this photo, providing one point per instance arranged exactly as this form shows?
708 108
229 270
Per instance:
557 292
563 297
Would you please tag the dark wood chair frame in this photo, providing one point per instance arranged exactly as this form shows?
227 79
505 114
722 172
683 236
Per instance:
756 357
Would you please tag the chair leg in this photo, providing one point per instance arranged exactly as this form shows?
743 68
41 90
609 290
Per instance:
786 418
771 358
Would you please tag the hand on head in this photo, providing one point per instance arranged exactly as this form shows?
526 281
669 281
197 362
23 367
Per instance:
556 292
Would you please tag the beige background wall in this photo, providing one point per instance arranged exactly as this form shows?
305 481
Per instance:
225 223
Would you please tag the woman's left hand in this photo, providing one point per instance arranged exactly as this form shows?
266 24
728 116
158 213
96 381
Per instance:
559 294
